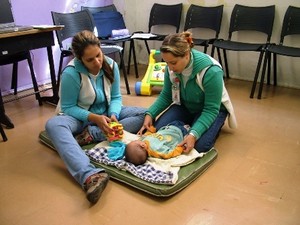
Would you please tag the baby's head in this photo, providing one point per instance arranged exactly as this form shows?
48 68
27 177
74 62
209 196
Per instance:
136 152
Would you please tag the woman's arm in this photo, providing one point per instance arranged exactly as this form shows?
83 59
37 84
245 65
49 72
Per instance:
116 97
69 94
164 99
213 89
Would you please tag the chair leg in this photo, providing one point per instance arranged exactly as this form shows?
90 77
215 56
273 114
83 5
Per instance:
4 137
59 71
212 51
132 49
129 56
124 73
147 46
14 80
2 117
34 82
123 46
269 69
261 85
205 48
219 57
256 74
275 68
135 62
226 63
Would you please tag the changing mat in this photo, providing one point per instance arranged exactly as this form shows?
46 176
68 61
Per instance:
157 177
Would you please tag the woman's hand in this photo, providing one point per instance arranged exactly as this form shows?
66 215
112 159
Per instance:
146 125
113 118
101 121
188 143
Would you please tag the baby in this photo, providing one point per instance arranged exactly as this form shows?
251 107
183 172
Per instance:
160 144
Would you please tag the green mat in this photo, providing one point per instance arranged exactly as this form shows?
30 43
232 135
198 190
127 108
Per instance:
187 174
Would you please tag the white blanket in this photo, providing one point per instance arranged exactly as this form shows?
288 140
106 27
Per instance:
160 171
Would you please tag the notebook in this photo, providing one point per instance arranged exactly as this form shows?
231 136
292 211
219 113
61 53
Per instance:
7 23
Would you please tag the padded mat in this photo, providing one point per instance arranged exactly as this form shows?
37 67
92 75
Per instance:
187 174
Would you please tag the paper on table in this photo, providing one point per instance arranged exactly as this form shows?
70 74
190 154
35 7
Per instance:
47 26
111 46
143 35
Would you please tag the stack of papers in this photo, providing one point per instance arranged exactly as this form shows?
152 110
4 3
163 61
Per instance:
143 35
112 46
119 37
47 26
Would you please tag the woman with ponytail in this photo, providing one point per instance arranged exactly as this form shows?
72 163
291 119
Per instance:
90 97
193 92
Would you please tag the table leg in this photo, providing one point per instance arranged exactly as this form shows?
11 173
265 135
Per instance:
54 98
4 119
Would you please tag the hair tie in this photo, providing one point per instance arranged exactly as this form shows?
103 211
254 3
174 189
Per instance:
189 40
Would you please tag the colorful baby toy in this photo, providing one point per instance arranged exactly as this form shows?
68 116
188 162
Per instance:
117 133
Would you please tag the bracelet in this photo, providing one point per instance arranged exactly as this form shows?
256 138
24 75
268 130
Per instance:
193 135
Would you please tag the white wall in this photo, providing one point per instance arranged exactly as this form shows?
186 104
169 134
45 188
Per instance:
242 65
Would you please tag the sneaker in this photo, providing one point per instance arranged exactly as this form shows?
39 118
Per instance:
84 138
94 186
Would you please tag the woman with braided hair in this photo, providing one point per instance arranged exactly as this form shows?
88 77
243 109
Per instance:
193 92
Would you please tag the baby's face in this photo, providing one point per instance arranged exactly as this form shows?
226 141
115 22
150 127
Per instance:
138 146
136 152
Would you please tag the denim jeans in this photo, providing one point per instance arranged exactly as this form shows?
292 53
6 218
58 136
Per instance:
181 125
132 119
61 130
178 112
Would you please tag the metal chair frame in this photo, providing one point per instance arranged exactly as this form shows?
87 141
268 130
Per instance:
74 23
247 18
204 18
290 26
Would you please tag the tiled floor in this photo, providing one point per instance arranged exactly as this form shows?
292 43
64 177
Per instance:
254 181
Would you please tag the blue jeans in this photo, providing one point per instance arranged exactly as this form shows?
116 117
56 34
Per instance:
61 130
179 112
181 125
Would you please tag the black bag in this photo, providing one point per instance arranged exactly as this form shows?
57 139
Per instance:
106 21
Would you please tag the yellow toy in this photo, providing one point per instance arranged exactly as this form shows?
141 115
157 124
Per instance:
117 133
154 75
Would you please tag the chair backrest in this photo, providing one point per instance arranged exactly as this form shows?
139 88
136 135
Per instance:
165 15
204 17
291 22
100 8
73 23
106 19
252 19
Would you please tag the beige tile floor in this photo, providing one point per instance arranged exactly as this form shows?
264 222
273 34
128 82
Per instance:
254 181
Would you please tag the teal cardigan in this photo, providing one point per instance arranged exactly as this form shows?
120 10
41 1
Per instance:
191 96
81 95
